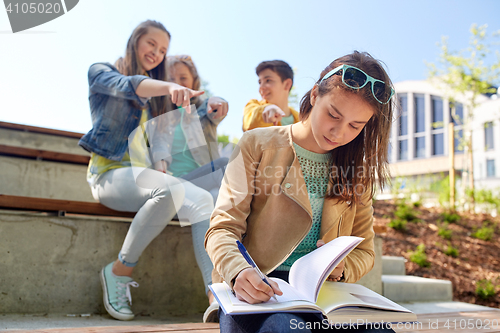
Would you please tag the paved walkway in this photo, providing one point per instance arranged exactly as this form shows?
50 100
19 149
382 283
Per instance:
433 318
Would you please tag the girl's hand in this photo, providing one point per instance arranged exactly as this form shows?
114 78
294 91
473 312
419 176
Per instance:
181 95
336 274
219 106
250 288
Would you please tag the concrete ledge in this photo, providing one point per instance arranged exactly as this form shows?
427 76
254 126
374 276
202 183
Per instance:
407 288
51 264
392 265
44 179
373 279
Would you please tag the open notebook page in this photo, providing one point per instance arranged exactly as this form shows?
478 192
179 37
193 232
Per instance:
309 272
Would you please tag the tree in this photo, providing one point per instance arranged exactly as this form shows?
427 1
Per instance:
465 75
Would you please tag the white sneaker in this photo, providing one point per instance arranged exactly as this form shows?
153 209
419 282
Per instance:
210 315
116 290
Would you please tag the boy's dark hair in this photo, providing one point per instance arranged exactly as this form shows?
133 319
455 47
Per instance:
280 67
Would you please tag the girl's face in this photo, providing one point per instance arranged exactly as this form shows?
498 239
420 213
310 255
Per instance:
180 74
152 48
336 118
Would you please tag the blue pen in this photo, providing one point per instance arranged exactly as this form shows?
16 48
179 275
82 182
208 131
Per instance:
250 261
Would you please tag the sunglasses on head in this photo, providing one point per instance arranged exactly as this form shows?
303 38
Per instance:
355 78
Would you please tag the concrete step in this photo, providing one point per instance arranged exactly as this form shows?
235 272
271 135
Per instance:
51 264
407 288
393 265
44 141
44 179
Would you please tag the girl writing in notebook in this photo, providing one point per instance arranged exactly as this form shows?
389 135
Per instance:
290 189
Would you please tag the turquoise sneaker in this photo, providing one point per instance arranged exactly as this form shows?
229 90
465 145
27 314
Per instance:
116 290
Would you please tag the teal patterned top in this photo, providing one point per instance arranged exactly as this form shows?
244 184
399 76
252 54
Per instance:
315 168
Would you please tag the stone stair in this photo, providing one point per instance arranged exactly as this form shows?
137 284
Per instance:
402 288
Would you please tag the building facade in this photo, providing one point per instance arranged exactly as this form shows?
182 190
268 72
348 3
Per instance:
420 134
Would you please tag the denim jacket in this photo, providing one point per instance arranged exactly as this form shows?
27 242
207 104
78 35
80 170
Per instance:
114 117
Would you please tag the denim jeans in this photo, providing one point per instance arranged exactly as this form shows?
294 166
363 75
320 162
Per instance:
155 207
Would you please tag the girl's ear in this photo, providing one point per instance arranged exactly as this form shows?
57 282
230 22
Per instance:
314 94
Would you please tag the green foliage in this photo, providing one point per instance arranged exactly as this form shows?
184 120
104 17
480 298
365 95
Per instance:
419 257
451 251
223 138
450 217
417 204
444 232
405 212
397 224
487 197
468 71
467 74
485 289
442 189
485 233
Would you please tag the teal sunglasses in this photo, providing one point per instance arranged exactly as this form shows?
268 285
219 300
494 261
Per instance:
355 78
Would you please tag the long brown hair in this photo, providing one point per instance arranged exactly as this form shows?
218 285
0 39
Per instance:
129 65
186 60
361 163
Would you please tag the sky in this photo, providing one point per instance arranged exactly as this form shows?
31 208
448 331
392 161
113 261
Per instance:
43 70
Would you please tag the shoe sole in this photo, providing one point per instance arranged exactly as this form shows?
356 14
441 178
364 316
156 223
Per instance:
211 314
112 312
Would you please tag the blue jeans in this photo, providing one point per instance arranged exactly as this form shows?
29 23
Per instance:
287 322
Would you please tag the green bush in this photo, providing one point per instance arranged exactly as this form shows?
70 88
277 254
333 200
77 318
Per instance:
485 289
397 224
485 233
442 189
450 217
405 212
419 257
486 196
451 251
417 204
444 232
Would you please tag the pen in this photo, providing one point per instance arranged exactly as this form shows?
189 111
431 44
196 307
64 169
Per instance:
250 261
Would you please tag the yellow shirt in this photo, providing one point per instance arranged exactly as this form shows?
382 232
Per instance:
252 115
99 165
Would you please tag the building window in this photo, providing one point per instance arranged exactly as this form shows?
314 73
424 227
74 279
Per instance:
419 126
420 146
488 136
403 120
458 118
419 113
459 135
403 150
437 144
490 168
402 144
437 126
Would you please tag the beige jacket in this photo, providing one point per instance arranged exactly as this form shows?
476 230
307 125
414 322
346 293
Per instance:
263 200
